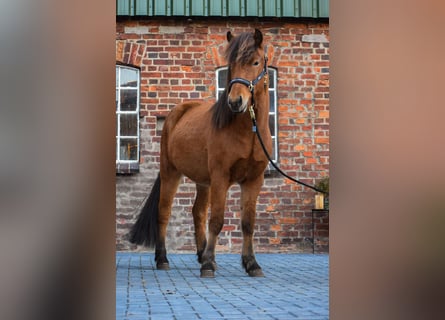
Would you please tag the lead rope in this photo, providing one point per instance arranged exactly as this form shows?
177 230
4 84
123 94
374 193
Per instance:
254 129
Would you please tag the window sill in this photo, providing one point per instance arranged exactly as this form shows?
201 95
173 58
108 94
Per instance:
127 168
271 172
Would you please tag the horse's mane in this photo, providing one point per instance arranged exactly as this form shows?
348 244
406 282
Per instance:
239 50
221 114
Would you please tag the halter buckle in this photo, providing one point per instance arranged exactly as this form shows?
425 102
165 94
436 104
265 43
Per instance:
252 112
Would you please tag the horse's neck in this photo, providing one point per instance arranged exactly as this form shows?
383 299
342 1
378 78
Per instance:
244 121
262 124
262 111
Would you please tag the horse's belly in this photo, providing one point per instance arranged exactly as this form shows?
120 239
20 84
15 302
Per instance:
192 164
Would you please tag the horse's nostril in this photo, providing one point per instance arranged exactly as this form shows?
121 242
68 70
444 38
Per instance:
237 102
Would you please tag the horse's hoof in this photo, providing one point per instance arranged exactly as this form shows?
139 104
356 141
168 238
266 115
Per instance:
163 266
207 273
256 273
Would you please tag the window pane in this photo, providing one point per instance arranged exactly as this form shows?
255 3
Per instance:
117 76
271 101
128 100
128 78
117 149
222 78
274 151
128 149
129 125
272 124
271 78
117 99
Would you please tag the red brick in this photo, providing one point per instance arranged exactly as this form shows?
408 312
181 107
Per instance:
275 227
322 140
274 241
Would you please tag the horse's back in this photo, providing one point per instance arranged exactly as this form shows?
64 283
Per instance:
184 140
188 116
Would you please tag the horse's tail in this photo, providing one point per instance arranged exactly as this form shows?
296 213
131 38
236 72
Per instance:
145 230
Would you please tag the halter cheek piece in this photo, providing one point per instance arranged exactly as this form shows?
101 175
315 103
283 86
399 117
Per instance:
251 84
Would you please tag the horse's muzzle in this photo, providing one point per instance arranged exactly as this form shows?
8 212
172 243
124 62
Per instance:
237 105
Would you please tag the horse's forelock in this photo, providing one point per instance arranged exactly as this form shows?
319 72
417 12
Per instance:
241 48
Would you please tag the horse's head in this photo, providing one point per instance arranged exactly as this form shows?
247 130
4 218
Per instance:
247 66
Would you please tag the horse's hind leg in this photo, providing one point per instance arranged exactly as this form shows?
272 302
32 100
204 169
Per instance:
249 195
199 211
169 185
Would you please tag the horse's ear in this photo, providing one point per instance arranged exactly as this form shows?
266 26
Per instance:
229 36
258 36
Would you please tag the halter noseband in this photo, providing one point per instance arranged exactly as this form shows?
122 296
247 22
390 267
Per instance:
251 84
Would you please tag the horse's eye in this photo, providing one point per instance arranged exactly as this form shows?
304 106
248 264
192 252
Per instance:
256 63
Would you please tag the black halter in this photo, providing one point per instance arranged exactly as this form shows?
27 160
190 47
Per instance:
251 84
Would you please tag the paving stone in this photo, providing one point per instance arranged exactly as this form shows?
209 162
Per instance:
295 286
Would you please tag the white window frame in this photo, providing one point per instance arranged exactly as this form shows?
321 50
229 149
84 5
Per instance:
120 112
273 112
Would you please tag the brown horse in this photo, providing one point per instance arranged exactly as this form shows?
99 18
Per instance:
214 146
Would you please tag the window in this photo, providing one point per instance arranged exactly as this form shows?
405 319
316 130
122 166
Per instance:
127 119
221 81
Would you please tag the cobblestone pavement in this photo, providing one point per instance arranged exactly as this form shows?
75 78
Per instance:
295 286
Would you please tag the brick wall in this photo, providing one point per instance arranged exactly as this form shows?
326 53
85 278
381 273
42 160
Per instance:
320 231
177 60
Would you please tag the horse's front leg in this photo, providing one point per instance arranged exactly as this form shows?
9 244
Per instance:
249 195
218 193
